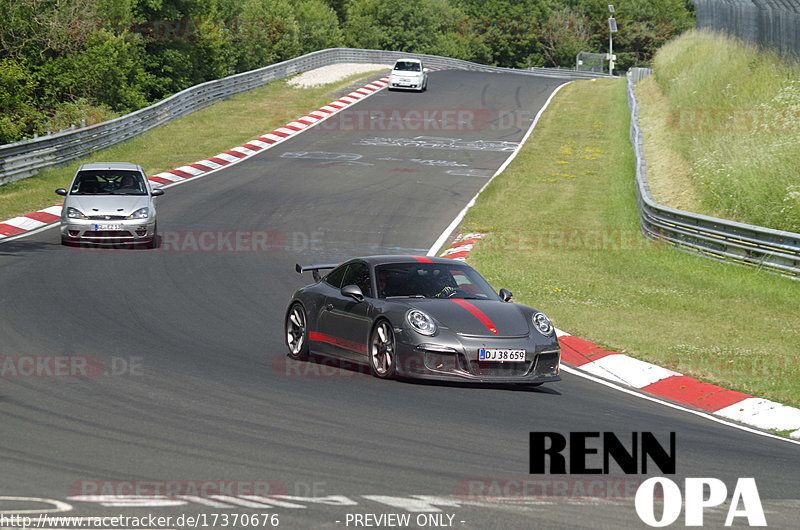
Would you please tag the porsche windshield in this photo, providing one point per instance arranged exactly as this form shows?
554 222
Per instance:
108 182
431 280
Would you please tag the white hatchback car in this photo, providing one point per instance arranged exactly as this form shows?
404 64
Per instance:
408 74
109 203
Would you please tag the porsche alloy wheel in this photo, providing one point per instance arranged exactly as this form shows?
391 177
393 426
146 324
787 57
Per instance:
296 332
382 350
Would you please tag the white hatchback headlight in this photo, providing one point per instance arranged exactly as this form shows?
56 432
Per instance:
74 213
141 213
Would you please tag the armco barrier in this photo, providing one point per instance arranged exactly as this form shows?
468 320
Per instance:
773 250
24 159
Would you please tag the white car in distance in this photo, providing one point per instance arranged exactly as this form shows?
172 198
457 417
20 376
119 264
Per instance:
408 74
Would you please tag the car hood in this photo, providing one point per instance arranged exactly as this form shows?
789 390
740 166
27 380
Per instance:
490 318
92 205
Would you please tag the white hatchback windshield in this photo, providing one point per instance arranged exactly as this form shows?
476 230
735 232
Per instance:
407 66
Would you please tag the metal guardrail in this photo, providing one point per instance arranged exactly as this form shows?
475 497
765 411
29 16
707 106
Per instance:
26 158
774 250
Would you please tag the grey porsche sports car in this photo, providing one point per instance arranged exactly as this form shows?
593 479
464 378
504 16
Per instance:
422 317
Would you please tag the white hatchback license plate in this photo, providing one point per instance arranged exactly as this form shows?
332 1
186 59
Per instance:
107 227
502 355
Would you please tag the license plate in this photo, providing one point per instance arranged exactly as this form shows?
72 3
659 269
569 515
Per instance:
501 355
107 227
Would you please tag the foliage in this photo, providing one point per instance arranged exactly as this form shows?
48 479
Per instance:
121 55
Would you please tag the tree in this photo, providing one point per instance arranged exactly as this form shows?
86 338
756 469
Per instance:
318 26
565 33
18 115
267 32
511 29
400 25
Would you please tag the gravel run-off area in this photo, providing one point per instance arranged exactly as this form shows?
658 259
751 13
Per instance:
333 73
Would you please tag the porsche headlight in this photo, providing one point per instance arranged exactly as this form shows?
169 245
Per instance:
421 322
74 213
141 213
542 324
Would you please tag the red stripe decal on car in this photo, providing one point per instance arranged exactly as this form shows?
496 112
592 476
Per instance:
423 259
477 313
337 341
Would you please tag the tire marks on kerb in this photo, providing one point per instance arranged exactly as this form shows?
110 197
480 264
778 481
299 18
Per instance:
433 142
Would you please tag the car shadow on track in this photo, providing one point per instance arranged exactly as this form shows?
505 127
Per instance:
516 387
323 367
15 247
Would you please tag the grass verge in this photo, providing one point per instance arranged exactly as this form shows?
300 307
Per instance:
732 116
233 121
563 235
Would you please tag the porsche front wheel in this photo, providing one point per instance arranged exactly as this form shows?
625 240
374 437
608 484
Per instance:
382 357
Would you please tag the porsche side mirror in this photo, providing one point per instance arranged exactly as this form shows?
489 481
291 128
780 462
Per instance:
505 295
354 292
61 191
157 192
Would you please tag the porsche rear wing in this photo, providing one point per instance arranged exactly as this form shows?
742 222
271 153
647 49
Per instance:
315 268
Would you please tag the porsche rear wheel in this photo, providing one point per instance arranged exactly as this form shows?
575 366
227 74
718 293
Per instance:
382 357
297 332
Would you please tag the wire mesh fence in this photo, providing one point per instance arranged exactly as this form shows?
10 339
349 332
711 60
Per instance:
590 62
768 23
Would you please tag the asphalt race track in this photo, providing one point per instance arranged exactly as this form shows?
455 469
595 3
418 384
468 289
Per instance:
187 381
